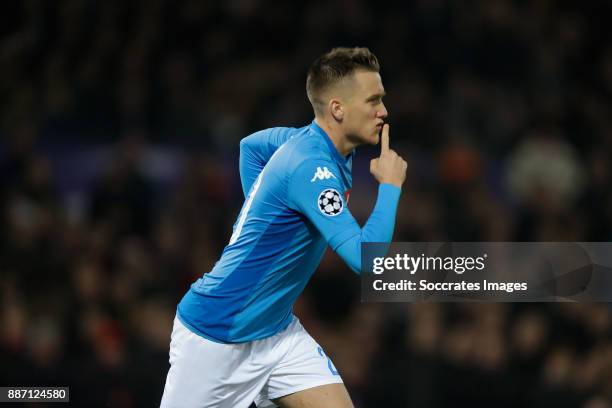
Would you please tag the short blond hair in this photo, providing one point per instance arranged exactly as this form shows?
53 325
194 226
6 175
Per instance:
332 67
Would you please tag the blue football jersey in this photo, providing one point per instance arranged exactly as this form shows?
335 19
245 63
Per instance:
297 183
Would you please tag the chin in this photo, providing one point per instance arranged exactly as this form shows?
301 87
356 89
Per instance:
375 139
372 139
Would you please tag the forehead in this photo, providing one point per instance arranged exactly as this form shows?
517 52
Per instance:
367 83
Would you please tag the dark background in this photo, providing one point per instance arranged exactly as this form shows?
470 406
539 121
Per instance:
119 127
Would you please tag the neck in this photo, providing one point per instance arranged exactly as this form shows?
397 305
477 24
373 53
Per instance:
338 138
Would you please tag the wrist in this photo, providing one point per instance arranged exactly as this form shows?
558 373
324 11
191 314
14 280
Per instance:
392 183
389 186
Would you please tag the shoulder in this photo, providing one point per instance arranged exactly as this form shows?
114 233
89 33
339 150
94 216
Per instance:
268 139
303 153
276 133
306 151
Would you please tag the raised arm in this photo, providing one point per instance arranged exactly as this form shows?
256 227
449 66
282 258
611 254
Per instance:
322 202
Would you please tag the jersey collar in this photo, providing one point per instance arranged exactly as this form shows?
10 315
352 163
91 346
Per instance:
337 156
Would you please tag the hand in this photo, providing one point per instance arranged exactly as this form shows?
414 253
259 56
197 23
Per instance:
389 168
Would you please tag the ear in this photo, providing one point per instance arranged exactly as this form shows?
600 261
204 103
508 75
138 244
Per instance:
336 109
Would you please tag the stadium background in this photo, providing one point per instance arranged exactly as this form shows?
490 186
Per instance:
120 123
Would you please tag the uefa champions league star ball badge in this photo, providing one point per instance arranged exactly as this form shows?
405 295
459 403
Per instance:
330 202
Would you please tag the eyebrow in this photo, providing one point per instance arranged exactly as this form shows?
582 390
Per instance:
376 96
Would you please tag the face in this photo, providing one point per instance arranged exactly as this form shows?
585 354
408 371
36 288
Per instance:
364 112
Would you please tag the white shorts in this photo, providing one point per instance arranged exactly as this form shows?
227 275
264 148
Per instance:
206 374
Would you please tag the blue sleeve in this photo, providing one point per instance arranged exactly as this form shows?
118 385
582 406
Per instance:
256 150
322 202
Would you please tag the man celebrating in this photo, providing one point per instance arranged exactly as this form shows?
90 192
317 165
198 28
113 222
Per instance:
235 339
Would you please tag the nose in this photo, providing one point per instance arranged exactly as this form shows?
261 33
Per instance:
382 113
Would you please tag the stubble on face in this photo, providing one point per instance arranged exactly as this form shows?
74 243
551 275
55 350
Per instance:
362 95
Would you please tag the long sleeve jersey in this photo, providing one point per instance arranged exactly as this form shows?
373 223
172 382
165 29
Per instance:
296 185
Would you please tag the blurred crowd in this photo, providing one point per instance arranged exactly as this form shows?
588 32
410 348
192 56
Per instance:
119 131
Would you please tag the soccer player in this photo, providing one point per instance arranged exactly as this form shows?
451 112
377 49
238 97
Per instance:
235 339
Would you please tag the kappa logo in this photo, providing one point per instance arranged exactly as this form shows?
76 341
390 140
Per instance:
322 174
